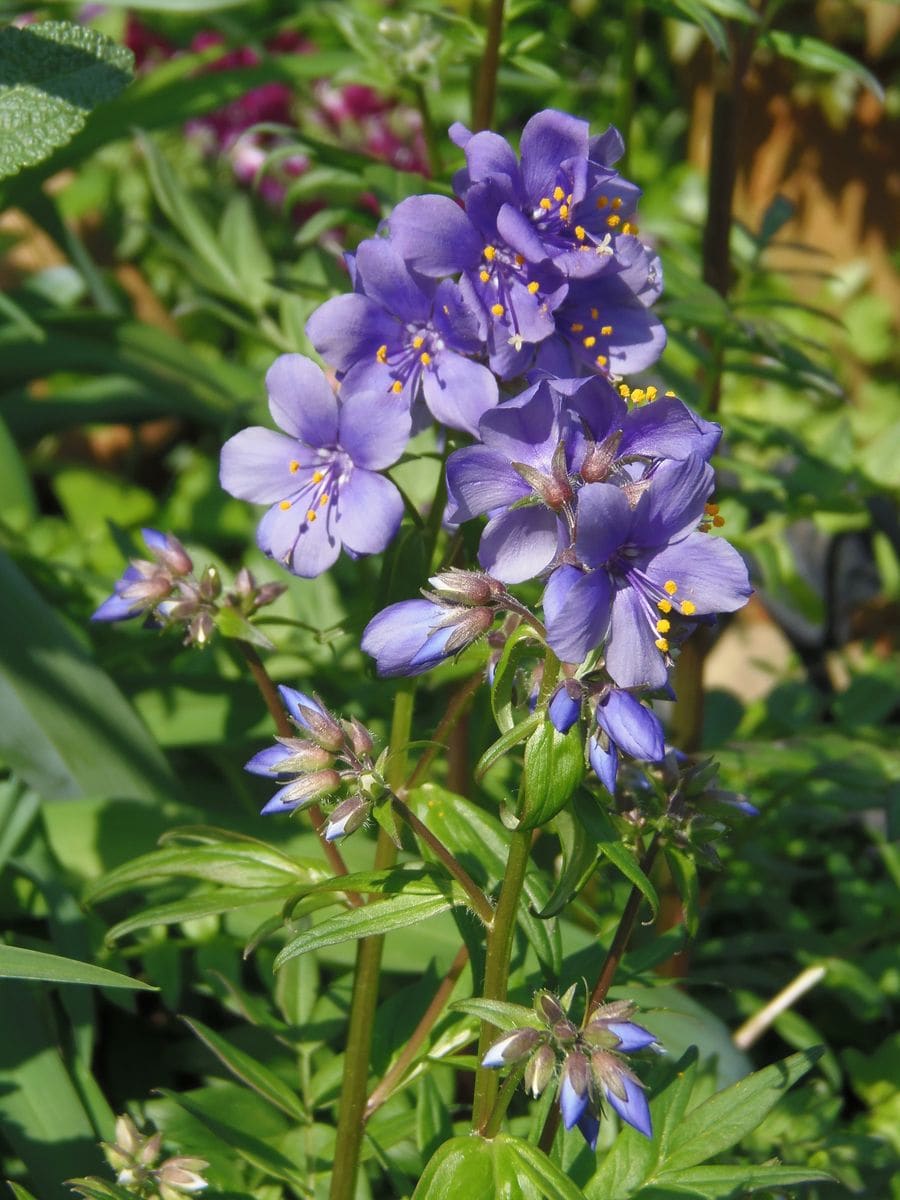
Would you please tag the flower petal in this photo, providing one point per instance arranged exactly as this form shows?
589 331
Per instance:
434 235
602 522
306 547
571 1103
458 391
631 1037
634 1109
347 329
576 609
604 762
632 726
255 465
479 480
369 512
374 429
386 278
295 701
632 657
709 573
519 544
548 139
301 400
673 503
668 429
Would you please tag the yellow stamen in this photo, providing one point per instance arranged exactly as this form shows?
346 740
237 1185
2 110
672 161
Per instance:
381 354
663 626
670 587
519 260
664 605
293 466
396 387
595 314
704 527
489 253
639 395
497 310
652 393
613 221
546 203
718 521
590 341
688 607
564 211
317 477
533 286
629 228
310 516
617 202
606 330
670 393
662 644
624 391
424 358
484 276
601 360
577 327
417 341
602 201
284 505
712 509
579 232
558 193
323 500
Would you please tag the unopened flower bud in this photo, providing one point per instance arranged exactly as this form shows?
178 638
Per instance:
564 708
200 630
304 791
167 549
555 492
465 587
349 815
323 727
182 1175
548 1008
574 1088
210 584
244 583
539 1070
359 738
511 1048
599 458
150 1150
268 593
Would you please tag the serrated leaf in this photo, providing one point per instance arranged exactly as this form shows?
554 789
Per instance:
18 963
249 1071
382 916
52 74
819 56
609 842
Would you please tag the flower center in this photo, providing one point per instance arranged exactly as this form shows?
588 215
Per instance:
416 351
318 490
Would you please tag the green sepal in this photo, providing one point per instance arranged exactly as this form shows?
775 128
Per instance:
554 767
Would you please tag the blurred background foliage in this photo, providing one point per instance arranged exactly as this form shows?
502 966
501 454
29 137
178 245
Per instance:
152 266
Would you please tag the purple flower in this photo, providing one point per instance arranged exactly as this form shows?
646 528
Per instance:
641 567
320 475
399 334
415 635
144 583
564 708
629 726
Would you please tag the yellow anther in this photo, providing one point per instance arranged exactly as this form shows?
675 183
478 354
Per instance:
396 387
424 358
704 527
484 276
613 221
688 607
310 515
293 466
712 509
663 626
670 393
590 341
533 286
629 228
617 202
418 340
546 203
639 395
564 211
662 644
664 605
323 500
284 505
579 232
595 314
497 310
602 201
519 260
569 198
624 391
601 360
577 327
381 354
489 253
718 521
558 194
670 587
652 393
606 330
317 477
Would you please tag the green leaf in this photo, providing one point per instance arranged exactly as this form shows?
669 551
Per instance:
554 767
684 875
819 56
232 624
51 75
93 1188
249 1071
519 646
728 1181
579 857
500 1013
19 963
379 917
461 1167
204 904
504 744
19 1192
539 1169
66 729
610 844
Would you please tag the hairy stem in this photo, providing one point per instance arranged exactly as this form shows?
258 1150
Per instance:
407 1055
486 83
504 1096
496 970
351 1111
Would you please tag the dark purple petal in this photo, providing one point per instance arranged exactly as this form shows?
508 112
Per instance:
434 236
350 328
301 400
255 465
634 728
487 154
370 511
571 1103
668 429
576 609
634 1109
458 391
631 1037
589 1127
520 235
606 148
387 280
480 480
294 701
459 318
708 571
605 763
525 429
548 139
602 522
520 544
563 709
373 428
632 657
673 503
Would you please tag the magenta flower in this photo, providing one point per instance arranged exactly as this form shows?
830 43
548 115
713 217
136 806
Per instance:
321 474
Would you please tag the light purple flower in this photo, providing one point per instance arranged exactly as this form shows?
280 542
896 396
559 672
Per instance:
145 584
321 475
413 636
630 727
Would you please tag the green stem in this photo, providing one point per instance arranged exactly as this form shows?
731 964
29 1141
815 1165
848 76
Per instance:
628 76
351 1113
506 1093
457 705
486 83
432 142
496 970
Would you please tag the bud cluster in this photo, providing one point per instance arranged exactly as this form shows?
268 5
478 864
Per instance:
591 1066
135 1159
330 757
165 590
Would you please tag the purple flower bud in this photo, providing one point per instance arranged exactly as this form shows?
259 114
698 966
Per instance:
511 1048
548 1008
539 1070
303 791
416 635
564 708
290 756
465 587
574 1090
312 716
589 1127
604 759
359 738
349 815
167 549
